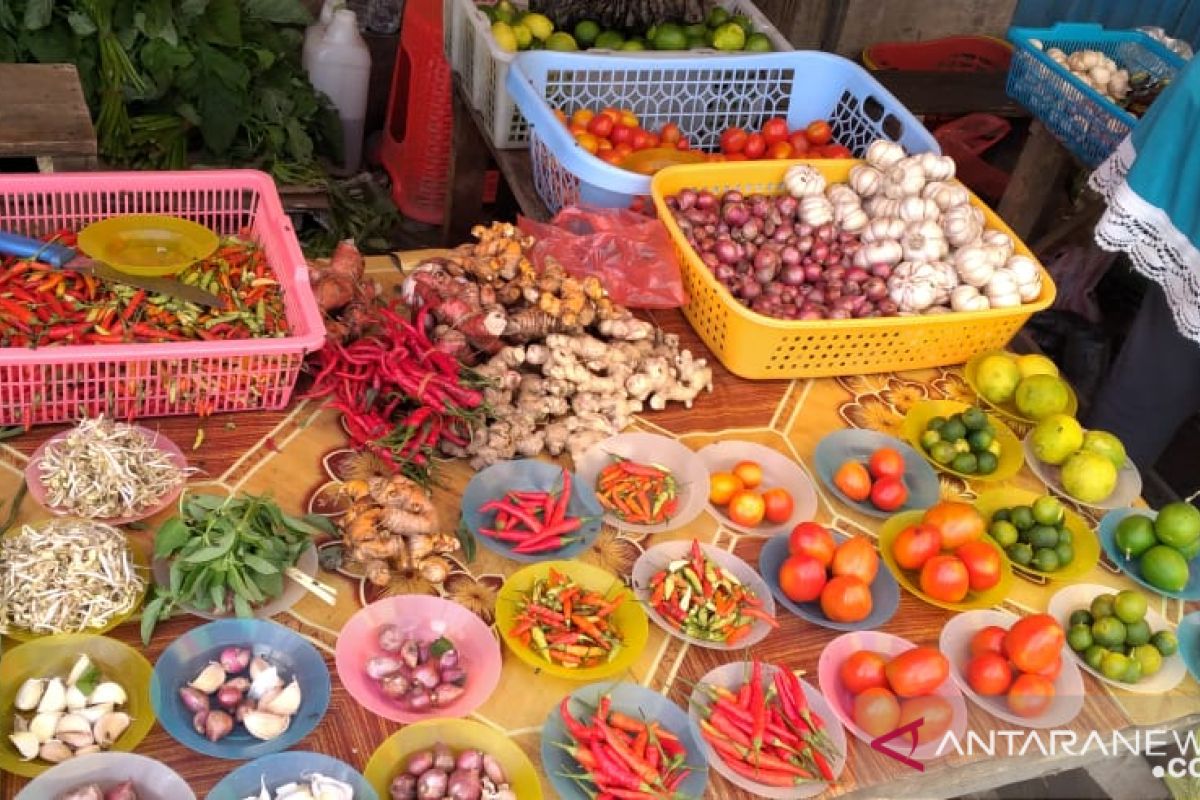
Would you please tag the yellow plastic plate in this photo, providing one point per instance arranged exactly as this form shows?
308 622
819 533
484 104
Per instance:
1083 539
1009 409
1011 457
458 734
54 655
147 244
629 618
910 580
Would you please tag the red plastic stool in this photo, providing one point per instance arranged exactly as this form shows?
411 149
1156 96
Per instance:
951 54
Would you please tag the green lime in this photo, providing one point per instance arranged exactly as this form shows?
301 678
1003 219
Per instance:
758 43
935 424
669 37
1137 633
1094 656
1165 642
717 17
1102 606
695 29
586 32
729 36
1135 535
1109 631
1148 656
634 44
943 452
1177 524
975 419
1079 637
1165 568
503 12
1065 552
1042 536
1129 606
929 439
965 463
561 42
1048 511
1022 517
961 446
1191 551
1004 532
696 42
651 32
1080 617
1113 665
953 430
1002 515
979 440
609 40
1020 554
1065 536
1133 670
1045 559
743 22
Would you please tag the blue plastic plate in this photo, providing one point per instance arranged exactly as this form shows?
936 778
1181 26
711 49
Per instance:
885 592
639 703
853 444
286 650
1188 634
529 475
1132 566
280 768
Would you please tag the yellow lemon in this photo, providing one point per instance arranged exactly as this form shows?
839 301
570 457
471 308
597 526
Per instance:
523 34
998 376
1041 396
1056 437
1089 477
539 25
1036 364
505 36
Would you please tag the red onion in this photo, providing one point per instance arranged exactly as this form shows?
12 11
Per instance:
857 274
787 205
846 237
710 259
733 196
727 251
813 273
750 230
686 199
883 271
783 233
825 233
706 200
888 307
820 252
815 298
750 289
735 213
673 203
792 274
835 274
838 313
787 294
875 289
811 313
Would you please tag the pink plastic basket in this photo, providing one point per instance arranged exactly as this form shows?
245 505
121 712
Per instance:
62 384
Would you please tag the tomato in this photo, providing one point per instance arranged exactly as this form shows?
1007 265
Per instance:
604 145
836 151
945 578
935 710
853 480
640 140
813 540
670 133
582 117
1051 670
779 505
623 148
801 578
775 130
736 157
876 711
560 115
614 114
888 494
779 150
989 674
610 156
1034 642
601 126
846 598
629 118
683 144
818 132
746 508
588 142
750 473
988 640
917 672
621 134
958 523
733 140
756 146
652 139
863 670
722 486
856 556
1030 695
576 129
983 564
915 545
886 462
799 143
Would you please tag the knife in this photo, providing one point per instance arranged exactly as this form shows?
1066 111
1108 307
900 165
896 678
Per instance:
63 257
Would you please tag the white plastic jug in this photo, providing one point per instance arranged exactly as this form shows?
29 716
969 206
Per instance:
341 69
315 32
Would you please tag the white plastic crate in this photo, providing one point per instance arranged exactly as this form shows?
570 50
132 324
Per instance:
473 53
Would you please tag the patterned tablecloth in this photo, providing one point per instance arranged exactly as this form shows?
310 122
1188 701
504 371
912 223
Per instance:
299 455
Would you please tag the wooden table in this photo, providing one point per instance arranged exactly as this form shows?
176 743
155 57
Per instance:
299 453
43 115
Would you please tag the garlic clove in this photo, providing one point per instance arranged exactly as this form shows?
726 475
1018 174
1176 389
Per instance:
26 744
79 669
326 788
54 751
54 697
110 727
93 713
43 725
108 692
286 702
76 699
29 695
72 723
258 664
87 750
265 681
265 725
209 679
76 740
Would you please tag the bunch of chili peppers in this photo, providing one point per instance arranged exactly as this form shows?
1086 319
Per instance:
533 522
704 600
622 757
45 306
567 624
766 732
644 494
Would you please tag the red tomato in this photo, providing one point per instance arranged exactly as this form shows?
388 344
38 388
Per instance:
652 140
989 674
863 670
640 140
983 564
814 540
836 151
846 598
779 150
756 146
601 125
746 508
936 712
801 578
683 144
621 134
917 672
853 480
736 157
876 711
886 462
945 578
799 143
670 133
733 140
1051 670
856 556
610 156
915 545
958 523
988 640
888 494
1030 695
623 149
779 505
775 130
612 113
818 132
1034 642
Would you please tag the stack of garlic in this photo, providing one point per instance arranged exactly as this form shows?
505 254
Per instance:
1093 68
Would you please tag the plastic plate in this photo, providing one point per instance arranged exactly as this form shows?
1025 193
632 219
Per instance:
778 470
955 643
1009 409
1072 598
152 780
1011 455
1124 494
277 769
1133 566
147 244
292 591
857 444
649 448
1083 539
885 592
1188 634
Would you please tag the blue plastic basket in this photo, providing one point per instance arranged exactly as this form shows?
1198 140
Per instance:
704 96
1086 122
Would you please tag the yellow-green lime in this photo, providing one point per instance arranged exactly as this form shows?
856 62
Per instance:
1055 438
1089 477
1177 524
1079 637
1041 396
997 377
730 36
1004 532
609 40
1047 510
523 34
1149 657
1036 364
1102 606
1164 568
1133 670
504 11
505 37
1165 642
634 44
1109 631
561 41
1129 606
1107 445
717 17
1094 656
1137 633
743 22
540 26
758 43
1113 665
586 32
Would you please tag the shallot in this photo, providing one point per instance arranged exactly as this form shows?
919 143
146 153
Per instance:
422 676
437 774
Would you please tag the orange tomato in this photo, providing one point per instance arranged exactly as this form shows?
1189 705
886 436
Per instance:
958 523
630 119
684 144
983 564
746 508
779 505
818 132
801 578
988 640
750 473
799 143
623 149
876 711
1034 642
588 142
886 462
670 133
836 151
605 145
915 545
610 156
989 674
613 113
1030 695
856 556
736 157
846 598
813 539
582 117
560 115
935 711
575 128
917 672
1051 670
779 150
853 480
863 670
945 578
722 486
641 139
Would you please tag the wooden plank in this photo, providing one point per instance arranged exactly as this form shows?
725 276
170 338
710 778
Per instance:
468 160
951 93
517 169
1034 181
802 22
43 113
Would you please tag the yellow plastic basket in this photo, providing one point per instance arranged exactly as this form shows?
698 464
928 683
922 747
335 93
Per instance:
755 346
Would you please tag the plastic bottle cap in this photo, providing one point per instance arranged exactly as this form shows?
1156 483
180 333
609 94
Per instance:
327 10
343 27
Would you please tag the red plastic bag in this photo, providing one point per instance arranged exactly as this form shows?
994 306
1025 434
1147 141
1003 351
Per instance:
631 254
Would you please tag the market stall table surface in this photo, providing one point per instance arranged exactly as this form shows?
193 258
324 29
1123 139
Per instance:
298 455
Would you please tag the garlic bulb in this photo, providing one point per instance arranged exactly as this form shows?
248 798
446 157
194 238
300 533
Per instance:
945 280
946 194
842 195
882 154
803 180
921 247
935 167
865 180
1100 76
881 206
882 228
883 251
974 264
918 209
913 286
815 209
905 179
1002 291
850 219
1028 276
967 298
961 225
1000 246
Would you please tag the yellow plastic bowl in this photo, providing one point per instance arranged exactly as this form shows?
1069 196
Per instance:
54 655
910 579
1084 539
458 734
140 550
1009 409
1012 454
629 618
147 244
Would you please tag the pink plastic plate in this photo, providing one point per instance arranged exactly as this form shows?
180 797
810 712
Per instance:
423 617
842 702
37 490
